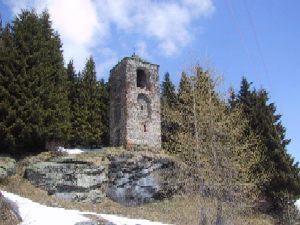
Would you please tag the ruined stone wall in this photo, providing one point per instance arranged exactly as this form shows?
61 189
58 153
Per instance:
138 108
117 105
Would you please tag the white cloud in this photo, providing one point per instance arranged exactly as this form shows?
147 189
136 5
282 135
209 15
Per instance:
110 59
142 49
78 24
85 25
118 12
76 20
168 23
199 7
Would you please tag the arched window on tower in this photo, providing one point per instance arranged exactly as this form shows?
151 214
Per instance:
144 107
141 78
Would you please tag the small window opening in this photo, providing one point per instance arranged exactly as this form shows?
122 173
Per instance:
145 128
141 79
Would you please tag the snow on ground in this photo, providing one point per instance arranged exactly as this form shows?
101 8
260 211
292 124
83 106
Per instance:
118 220
75 151
33 213
297 204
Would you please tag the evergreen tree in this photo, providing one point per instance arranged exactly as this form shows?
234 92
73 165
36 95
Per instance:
103 100
73 96
168 91
78 118
1 24
73 81
57 119
88 111
282 173
168 108
185 100
8 84
37 84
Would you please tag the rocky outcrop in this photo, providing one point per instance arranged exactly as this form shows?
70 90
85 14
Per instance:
133 181
7 167
69 179
128 178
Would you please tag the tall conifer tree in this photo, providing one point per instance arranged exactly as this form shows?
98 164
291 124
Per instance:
169 124
282 172
168 91
88 113
73 96
37 83
8 86
103 94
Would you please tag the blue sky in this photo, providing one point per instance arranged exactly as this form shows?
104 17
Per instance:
259 39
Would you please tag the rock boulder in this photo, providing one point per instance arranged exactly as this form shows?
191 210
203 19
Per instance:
7 167
134 181
69 179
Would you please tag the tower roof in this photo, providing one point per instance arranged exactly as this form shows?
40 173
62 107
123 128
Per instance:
134 57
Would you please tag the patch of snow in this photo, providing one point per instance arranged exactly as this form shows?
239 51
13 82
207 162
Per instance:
118 220
33 213
297 204
75 151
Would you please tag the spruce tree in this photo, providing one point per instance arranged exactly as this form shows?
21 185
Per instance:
73 81
37 84
168 108
283 179
185 100
8 85
103 100
78 118
27 33
168 91
1 28
88 124
57 120
73 96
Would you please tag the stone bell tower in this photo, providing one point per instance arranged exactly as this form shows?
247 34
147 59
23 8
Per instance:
135 104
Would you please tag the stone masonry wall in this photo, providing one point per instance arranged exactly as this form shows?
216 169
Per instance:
135 111
117 105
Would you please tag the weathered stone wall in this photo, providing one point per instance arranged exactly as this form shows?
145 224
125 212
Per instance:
135 111
117 105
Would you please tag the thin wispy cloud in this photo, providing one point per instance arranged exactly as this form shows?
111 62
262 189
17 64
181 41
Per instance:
86 25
